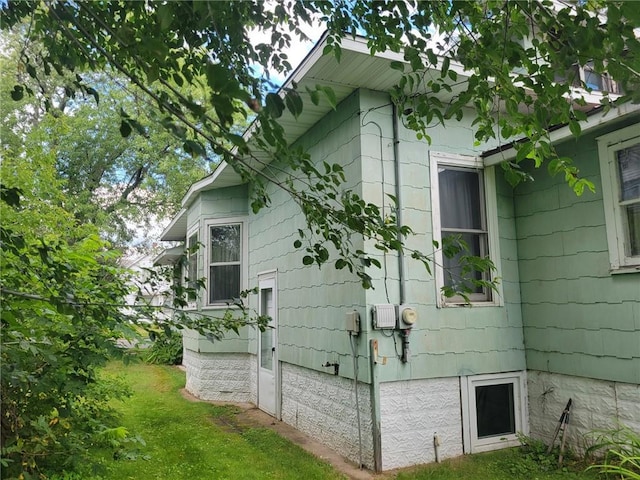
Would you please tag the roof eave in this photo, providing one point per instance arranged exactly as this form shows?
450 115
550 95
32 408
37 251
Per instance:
598 118
176 231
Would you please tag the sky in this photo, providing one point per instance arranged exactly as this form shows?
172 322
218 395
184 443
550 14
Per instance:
296 52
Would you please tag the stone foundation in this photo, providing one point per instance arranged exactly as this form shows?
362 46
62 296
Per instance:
220 376
323 406
411 413
596 405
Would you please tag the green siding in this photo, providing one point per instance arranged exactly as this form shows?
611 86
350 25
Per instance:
578 318
312 302
219 203
448 341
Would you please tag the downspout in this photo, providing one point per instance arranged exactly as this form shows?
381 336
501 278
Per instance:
396 164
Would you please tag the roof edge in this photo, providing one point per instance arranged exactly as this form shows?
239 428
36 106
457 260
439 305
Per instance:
597 118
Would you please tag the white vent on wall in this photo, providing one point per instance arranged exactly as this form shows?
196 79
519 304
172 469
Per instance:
384 316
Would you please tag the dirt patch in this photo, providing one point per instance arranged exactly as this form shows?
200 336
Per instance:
247 415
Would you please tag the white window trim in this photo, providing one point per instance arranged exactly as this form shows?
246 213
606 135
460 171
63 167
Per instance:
472 444
194 230
244 256
608 145
491 213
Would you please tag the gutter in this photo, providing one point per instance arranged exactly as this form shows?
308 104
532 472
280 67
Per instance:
560 132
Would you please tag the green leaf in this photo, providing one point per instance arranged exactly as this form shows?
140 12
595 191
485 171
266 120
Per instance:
193 147
96 95
575 128
31 70
293 102
337 51
433 58
274 105
314 95
165 17
307 260
330 95
11 196
125 128
445 67
397 66
297 244
17 93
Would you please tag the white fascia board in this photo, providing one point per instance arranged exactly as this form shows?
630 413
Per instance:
168 234
312 57
200 185
359 45
594 121
169 256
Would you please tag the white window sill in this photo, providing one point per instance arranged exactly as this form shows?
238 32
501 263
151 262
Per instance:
625 269
494 303
221 307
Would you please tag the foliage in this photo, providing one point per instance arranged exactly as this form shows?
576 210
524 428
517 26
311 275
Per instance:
506 464
59 324
175 314
621 448
165 349
534 458
119 184
511 55
62 295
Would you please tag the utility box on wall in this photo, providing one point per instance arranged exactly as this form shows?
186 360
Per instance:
384 316
353 322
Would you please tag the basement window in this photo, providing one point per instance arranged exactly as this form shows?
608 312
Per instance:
494 411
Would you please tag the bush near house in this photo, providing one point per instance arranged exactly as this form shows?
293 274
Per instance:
165 349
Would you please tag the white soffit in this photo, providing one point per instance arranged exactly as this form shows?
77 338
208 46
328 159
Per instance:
357 69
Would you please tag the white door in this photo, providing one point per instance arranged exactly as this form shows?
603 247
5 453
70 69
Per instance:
267 342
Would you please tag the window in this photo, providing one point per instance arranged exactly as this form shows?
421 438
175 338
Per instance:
586 75
459 205
191 270
494 411
620 168
225 253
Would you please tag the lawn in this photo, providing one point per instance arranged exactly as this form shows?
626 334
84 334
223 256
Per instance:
185 439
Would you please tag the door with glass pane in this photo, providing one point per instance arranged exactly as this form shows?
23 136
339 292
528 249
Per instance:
267 343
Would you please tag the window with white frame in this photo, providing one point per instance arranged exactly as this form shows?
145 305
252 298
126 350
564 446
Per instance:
225 261
620 168
463 206
191 268
494 411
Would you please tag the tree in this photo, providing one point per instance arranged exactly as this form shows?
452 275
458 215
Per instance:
59 288
62 292
512 51
119 184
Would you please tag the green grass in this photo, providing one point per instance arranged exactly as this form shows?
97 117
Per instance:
183 440
508 464
196 440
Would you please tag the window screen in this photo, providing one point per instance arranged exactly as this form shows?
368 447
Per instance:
495 410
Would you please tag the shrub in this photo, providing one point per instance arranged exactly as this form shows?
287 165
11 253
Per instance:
166 348
58 327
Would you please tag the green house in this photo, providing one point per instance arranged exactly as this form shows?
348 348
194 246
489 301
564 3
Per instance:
400 374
